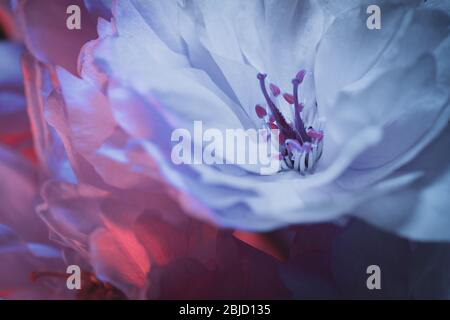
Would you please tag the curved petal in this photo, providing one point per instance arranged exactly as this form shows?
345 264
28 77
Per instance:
421 210
118 257
420 31
401 85
18 192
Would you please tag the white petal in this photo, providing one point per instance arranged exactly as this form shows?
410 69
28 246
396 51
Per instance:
405 35
419 212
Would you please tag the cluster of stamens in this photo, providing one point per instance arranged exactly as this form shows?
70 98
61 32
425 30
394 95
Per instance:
300 143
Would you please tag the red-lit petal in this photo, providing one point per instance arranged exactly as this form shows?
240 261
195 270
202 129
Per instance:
272 243
119 257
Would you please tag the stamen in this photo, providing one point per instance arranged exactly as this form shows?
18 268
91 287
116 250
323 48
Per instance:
285 128
307 147
293 146
260 111
289 98
299 125
300 76
314 134
275 90
300 146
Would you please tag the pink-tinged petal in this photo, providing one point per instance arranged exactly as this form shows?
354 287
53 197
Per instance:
273 243
50 144
88 70
88 113
289 98
260 111
163 241
71 211
36 79
119 258
275 90
166 239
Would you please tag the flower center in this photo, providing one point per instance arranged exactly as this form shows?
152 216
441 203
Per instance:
300 140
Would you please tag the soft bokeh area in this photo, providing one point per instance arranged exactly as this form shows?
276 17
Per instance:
87 176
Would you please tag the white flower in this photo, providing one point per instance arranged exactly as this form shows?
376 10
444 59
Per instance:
383 94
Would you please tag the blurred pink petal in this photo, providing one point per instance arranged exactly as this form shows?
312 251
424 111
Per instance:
274 243
120 258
